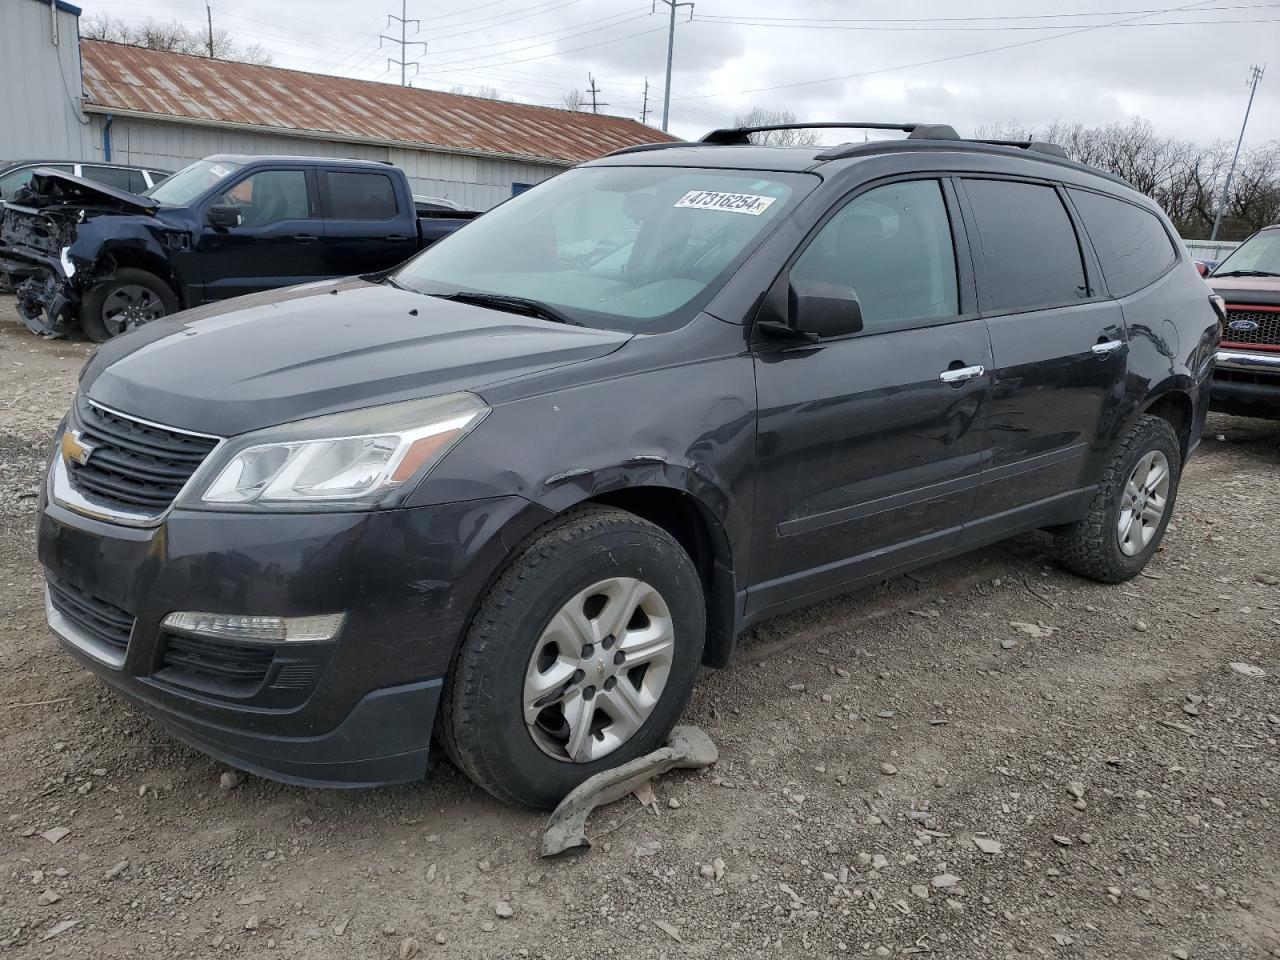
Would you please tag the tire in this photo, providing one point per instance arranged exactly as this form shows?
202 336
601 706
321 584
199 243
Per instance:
130 298
1095 547
483 722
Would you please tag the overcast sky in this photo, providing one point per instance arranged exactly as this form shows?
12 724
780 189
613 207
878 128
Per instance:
1183 66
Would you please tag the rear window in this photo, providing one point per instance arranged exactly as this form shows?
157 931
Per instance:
360 196
1028 245
1131 243
111 176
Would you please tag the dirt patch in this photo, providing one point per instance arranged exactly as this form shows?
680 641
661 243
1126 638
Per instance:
1128 776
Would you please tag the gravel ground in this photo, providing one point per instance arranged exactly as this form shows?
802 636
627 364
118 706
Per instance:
987 758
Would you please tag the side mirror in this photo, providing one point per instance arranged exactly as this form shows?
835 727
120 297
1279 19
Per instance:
823 310
1202 268
222 217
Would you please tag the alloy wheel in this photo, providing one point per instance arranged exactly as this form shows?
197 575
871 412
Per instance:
1143 503
598 670
129 306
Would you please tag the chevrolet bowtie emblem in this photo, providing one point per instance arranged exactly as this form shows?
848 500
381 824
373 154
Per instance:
75 449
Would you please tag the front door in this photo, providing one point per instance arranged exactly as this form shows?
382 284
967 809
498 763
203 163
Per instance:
276 243
1060 349
868 455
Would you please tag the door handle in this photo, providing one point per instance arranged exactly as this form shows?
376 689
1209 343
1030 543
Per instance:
1105 348
304 237
962 374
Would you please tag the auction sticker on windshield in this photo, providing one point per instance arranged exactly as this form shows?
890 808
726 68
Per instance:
748 203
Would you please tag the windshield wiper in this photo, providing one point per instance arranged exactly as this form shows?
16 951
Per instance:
1247 273
523 305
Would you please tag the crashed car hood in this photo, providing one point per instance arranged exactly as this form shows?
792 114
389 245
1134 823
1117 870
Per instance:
322 348
1247 290
51 188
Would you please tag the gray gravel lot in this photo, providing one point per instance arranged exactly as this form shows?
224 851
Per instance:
987 758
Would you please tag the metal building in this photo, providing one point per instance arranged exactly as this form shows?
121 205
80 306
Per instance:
152 108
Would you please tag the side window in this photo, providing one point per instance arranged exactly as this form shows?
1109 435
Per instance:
137 182
360 196
110 176
15 180
1131 243
268 196
893 246
1028 245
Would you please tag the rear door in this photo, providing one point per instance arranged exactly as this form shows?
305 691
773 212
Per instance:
1059 347
868 456
276 242
367 227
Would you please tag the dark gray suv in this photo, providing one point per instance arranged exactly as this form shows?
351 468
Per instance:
519 489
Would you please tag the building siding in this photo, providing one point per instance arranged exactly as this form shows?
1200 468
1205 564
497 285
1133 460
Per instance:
475 182
40 83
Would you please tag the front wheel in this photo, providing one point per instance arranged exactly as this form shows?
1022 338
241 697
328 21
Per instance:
130 298
581 657
1131 509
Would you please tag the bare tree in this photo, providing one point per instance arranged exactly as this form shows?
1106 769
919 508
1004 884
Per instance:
486 92
172 37
573 100
1185 178
760 117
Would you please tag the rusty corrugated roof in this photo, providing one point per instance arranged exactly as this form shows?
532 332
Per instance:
125 78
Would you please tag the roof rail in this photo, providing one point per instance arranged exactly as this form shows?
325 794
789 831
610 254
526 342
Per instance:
646 147
1039 146
731 136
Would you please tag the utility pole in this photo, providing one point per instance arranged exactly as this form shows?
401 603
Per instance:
644 110
594 90
404 42
671 47
1255 76
209 14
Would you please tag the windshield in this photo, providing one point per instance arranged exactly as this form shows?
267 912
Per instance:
189 182
1259 254
639 249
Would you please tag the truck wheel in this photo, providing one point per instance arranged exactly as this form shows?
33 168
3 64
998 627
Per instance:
129 299
1131 508
580 658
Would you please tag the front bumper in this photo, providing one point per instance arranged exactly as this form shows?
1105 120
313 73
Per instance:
1246 382
354 711
46 297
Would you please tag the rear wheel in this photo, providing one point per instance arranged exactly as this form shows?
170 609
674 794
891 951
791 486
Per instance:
128 300
1131 509
580 658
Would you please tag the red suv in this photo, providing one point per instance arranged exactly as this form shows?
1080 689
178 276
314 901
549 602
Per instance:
1246 380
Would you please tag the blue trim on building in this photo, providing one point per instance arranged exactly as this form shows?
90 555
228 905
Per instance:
63 6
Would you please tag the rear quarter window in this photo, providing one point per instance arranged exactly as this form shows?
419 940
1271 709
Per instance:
1132 244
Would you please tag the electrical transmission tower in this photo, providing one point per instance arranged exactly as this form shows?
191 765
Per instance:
1255 77
404 43
671 47
644 110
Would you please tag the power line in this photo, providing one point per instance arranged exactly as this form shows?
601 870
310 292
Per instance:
1010 16
951 58
986 29
404 43
1255 77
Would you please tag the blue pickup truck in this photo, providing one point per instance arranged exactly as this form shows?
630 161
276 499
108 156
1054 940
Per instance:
75 250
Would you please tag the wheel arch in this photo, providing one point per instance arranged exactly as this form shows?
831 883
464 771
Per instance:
1173 402
138 257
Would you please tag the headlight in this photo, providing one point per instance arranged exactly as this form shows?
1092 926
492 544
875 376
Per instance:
359 458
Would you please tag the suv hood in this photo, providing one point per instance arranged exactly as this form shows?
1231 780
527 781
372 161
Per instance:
301 352
53 189
1264 291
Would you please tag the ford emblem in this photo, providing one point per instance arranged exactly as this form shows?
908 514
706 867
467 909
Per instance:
1243 326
